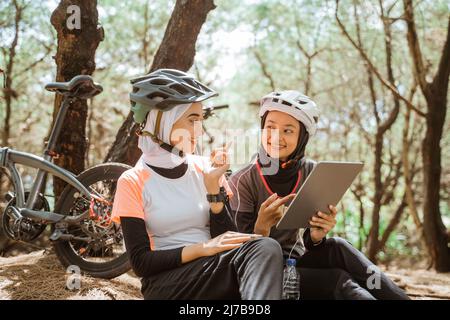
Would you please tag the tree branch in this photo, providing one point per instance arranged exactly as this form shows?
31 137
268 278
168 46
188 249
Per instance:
393 223
414 46
372 66
35 63
264 69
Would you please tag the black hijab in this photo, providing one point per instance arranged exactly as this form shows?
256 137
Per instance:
285 177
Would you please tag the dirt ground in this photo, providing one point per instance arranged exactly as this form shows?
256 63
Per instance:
422 284
39 275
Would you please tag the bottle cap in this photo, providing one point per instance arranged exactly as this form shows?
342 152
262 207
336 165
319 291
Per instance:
291 262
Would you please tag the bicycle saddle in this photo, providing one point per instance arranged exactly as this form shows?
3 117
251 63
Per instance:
82 86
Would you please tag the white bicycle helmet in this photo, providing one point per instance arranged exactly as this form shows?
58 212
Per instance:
295 104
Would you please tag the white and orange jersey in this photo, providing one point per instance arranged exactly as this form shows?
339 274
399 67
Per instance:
175 211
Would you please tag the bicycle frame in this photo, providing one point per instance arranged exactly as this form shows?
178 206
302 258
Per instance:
9 158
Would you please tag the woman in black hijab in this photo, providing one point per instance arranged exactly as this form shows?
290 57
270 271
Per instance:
330 268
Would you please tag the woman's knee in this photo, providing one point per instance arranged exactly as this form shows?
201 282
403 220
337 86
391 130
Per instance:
344 249
267 245
338 275
341 243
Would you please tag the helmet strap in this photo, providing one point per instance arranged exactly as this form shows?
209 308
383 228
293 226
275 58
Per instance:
156 139
157 125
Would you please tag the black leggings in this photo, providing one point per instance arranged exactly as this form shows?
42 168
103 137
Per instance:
252 272
337 270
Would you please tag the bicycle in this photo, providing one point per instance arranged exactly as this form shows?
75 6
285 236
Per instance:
82 232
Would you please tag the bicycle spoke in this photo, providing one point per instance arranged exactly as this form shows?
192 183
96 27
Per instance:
99 252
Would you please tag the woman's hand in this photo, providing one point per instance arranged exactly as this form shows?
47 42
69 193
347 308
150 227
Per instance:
219 159
226 241
322 223
270 213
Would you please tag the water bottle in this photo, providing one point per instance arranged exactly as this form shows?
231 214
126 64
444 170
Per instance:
291 281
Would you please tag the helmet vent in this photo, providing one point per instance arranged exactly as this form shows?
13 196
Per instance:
179 88
173 72
191 83
154 95
160 82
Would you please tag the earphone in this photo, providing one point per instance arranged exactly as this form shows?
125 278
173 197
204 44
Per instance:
236 187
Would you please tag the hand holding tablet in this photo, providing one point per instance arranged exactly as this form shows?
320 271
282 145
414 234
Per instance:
325 185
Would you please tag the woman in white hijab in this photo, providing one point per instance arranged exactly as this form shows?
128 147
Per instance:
173 205
152 153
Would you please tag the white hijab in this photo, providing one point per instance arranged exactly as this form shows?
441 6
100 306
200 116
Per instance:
152 153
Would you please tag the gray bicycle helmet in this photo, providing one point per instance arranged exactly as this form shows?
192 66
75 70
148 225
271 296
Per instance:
163 89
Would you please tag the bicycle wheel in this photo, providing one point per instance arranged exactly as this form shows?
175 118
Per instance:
105 255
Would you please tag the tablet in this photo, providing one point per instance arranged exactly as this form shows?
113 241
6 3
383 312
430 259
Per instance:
325 185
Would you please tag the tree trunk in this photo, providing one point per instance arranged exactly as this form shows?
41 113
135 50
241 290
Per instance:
75 55
8 95
8 92
434 228
408 175
435 94
373 243
177 51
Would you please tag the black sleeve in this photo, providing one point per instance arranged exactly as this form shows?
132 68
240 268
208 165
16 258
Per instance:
221 222
242 204
245 221
144 261
309 244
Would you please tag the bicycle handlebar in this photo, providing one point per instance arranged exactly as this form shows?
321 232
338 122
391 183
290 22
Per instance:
208 111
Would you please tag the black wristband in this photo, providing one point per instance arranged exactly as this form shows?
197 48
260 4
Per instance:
220 197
